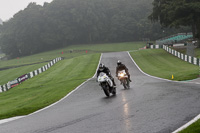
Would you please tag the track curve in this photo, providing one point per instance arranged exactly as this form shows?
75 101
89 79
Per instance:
149 106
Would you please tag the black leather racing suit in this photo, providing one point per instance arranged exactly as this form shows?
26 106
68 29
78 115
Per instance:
107 71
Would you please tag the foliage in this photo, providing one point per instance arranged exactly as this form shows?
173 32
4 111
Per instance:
66 22
176 13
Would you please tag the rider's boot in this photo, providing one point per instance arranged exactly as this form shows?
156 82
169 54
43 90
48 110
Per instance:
114 85
129 78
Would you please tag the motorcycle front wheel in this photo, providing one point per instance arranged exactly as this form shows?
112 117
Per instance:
106 91
114 91
126 83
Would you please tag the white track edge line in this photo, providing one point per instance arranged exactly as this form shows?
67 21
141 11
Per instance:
187 124
10 119
18 117
98 66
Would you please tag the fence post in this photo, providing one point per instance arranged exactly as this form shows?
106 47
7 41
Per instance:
1 89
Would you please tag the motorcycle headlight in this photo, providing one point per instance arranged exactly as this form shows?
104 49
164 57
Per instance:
121 75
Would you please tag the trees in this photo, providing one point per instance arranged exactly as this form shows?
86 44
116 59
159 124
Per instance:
66 22
176 13
21 35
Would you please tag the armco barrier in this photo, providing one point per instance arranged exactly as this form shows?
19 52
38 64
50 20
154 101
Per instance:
190 59
24 77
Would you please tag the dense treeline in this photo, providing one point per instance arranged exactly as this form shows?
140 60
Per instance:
65 22
176 13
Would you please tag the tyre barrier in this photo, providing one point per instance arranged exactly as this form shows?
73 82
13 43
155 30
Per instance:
29 75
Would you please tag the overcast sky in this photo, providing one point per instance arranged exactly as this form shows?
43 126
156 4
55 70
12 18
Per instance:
9 7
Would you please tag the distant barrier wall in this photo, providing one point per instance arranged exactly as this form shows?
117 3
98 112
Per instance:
190 59
29 75
156 46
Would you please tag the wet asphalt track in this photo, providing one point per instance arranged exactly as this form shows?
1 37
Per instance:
149 106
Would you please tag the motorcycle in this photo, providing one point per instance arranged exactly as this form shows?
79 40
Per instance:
123 77
106 83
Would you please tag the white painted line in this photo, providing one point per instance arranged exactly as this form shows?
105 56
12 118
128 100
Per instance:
98 66
10 119
15 118
187 124
146 73
60 99
18 117
68 93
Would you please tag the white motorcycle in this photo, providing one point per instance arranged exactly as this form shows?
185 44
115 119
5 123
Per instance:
123 77
106 83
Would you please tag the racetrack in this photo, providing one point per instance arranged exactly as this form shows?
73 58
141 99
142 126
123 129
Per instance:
150 106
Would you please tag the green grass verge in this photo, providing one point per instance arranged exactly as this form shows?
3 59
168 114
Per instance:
48 87
194 128
159 63
78 50
11 74
110 47
197 52
184 51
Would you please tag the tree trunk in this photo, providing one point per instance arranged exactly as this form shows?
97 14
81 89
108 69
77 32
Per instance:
194 31
198 33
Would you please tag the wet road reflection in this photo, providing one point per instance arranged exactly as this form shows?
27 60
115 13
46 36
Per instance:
127 123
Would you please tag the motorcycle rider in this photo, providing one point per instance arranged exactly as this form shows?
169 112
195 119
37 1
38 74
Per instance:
121 67
103 68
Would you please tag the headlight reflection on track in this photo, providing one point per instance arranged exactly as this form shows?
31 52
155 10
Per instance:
127 123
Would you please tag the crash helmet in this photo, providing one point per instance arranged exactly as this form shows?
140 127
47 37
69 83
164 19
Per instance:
119 62
101 66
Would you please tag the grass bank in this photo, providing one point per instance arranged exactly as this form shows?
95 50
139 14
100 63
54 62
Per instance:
77 50
11 74
184 51
159 63
48 87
